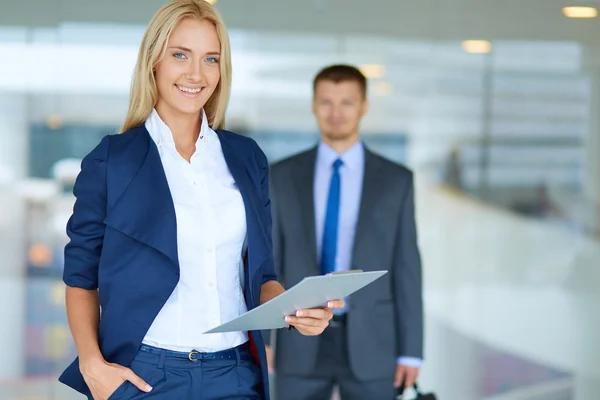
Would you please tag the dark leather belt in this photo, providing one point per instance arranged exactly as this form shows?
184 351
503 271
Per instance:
241 351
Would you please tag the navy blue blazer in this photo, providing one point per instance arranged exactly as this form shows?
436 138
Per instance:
124 240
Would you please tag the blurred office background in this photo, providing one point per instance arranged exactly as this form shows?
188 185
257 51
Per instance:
494 105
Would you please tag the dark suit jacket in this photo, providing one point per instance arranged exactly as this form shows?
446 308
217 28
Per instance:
124 239
385 319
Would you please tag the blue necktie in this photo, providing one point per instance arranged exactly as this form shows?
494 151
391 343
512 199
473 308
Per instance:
330 231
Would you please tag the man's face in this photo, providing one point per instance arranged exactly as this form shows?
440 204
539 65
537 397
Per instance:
339 107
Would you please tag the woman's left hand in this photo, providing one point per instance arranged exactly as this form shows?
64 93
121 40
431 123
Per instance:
312 322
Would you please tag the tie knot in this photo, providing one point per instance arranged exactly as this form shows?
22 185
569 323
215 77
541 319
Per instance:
337 164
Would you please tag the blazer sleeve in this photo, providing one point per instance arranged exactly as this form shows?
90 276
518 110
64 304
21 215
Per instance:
85 227
269 273
408 280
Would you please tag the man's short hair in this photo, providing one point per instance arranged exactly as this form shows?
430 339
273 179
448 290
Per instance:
341 73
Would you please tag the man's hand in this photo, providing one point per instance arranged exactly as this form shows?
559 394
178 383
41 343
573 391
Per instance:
405 375
312 322
270 359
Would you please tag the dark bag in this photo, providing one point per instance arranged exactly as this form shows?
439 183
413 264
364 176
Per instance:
420 396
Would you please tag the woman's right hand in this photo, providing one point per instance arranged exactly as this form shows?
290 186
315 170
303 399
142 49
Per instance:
104 378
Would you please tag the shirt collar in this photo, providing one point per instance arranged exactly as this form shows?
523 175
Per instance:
160 132
353 158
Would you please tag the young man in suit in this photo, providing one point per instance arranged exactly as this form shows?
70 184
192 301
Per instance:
335 207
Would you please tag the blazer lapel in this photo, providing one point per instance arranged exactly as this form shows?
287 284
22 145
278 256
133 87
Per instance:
304 183
140 204
371 190
258 249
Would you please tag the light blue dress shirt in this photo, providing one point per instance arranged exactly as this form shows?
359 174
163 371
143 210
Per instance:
351 176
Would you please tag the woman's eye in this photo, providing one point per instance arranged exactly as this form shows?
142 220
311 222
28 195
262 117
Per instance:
180 56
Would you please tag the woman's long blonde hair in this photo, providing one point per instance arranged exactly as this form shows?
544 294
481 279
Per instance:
144 92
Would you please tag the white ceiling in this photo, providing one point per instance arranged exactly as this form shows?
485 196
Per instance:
436 89
426 19
83 53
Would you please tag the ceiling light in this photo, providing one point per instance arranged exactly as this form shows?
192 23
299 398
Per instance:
580 12
372 71
477 46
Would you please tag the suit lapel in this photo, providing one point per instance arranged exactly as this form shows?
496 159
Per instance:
140 202
371 192
304 184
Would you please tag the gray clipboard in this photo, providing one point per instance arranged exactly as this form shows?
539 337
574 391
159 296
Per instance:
311 292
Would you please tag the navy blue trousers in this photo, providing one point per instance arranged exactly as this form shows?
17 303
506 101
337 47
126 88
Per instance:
234 376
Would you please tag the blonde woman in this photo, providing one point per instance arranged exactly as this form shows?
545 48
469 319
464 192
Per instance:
171 232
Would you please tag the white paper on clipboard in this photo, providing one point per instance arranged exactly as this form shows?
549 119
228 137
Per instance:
311 292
